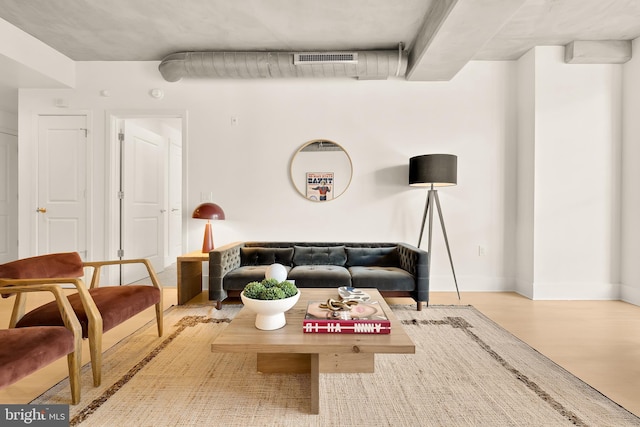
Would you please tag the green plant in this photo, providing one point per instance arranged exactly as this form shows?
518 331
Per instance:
273 293
270 289
288 288
270 282
254 290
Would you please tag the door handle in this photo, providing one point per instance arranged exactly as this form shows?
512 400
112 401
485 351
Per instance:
163 210
41 210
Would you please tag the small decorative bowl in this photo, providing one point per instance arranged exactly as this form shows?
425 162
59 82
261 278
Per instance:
270 313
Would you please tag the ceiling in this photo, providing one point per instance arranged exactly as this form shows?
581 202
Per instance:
440 35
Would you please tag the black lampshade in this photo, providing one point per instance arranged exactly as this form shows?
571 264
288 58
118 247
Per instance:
438 169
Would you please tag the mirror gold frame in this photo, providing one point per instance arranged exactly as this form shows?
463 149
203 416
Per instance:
321 170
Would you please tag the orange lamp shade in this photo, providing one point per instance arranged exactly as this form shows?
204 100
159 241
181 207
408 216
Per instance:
208 211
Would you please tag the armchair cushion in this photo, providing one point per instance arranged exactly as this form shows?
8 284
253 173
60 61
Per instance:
26 350
115 303
68 264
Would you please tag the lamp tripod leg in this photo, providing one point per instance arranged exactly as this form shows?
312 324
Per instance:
430 202
446 241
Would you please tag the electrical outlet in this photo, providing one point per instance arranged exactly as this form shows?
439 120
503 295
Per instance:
481 250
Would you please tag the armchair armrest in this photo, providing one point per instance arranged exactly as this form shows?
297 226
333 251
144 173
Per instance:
66 311
22 286
97 268
221 261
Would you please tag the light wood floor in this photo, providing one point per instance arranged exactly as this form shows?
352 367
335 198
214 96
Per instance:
598 341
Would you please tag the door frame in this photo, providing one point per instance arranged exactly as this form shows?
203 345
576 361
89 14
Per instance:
112 178
12 196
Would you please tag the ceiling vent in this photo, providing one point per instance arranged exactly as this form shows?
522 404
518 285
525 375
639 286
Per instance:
364 65
325 58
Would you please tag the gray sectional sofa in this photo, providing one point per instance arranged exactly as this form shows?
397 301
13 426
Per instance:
395 269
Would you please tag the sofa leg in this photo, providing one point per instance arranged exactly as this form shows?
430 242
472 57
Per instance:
219 305
420 305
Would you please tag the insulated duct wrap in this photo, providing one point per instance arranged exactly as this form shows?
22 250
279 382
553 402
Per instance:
261 65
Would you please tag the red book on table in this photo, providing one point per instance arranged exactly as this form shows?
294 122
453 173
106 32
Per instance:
363 318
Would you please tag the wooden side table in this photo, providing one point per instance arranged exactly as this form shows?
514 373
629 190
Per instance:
190 275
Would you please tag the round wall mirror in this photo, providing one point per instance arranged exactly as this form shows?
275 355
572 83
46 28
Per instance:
321 170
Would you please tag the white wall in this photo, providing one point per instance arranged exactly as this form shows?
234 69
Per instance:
526 173
8 106
9 121
380 123
538 145
630 179
575 143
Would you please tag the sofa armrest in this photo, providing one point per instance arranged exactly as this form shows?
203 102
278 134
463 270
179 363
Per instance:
221 261
414 261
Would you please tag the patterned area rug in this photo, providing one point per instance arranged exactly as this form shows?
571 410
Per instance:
466 371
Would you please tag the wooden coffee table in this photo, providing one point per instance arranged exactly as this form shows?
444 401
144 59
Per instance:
289 350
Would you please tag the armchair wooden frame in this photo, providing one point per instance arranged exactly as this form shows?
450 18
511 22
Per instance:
74 359
155 282
94 318
95 333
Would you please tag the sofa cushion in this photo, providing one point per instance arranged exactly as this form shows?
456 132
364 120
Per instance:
382 278
319 255
237 279
320 276
380 257
265 256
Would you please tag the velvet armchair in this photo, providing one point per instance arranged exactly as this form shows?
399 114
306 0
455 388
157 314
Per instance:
98 308
26 350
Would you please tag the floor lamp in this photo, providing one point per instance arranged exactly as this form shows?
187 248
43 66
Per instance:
208 211
434 170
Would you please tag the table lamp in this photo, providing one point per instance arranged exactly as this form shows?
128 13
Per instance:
208 211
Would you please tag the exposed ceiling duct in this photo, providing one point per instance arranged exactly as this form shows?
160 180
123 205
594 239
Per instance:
365 65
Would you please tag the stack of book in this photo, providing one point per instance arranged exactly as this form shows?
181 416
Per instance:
361 318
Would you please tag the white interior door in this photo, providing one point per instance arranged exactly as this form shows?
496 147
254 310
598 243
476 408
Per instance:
8 197
62 184
143 174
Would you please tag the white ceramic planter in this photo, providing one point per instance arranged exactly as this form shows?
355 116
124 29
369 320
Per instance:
270 313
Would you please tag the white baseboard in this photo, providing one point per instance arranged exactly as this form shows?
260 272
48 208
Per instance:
539 291
630 294
445 283
576 291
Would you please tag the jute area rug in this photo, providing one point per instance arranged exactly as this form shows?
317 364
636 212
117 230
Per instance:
466 371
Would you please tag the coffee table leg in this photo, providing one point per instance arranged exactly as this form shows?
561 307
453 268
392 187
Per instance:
315 383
